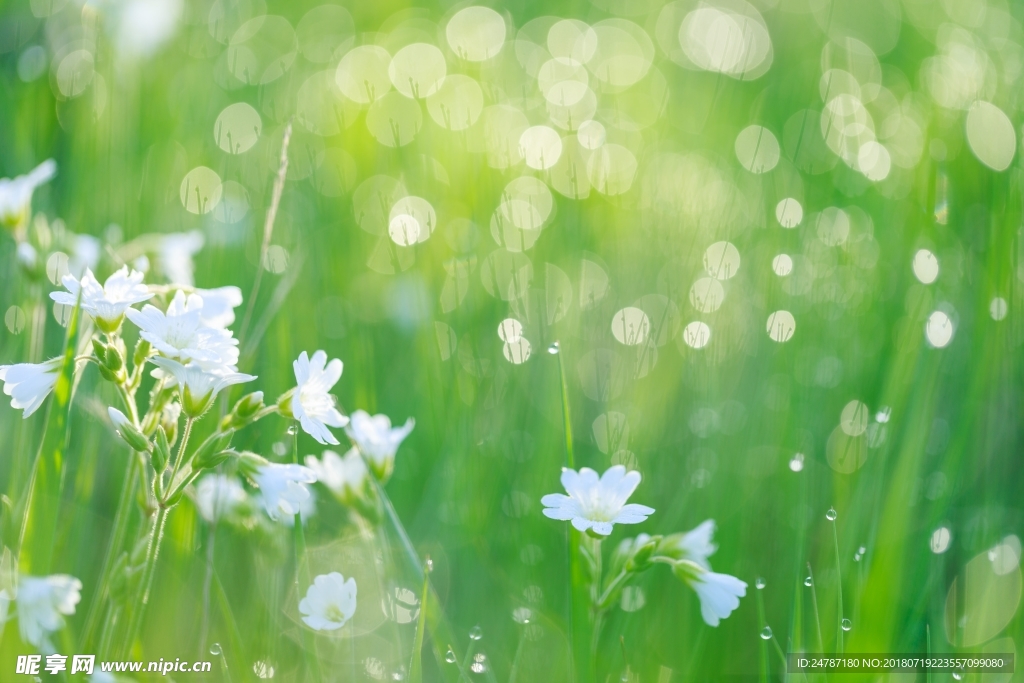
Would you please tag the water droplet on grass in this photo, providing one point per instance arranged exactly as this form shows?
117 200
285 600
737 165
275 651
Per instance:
476 633
293 430
215 649
831 515
760 583
449 656
808 582
957 675
846 624
766 633
553 349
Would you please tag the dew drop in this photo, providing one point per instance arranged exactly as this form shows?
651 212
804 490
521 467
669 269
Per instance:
957 675
553 349
831 515
760 583
808 582
846 624
856 557
293 430
476 633
428 565
215 649
766 633
861 550
449 656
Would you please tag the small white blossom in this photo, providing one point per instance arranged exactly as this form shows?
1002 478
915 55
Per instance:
219 306
329 603
595 504
218 496
283 488
16 194
345 477
108 302
311 402
197 385
719 594
377 440
174 256
180 335
28 384
42 603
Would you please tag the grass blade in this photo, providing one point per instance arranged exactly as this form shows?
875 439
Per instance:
42 500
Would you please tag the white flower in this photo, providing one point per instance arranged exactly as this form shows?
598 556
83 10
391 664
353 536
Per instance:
344 477
28 384
174 256
42 604
719 594
218 495
108 302
596 504
329 602
283 488
377 440
219 306
696 545
306 511
16 194
179 333
311 402
199 386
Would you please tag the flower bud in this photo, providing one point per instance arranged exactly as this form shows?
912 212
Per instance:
210 450
99 349
641 558
142 349
211 460
161 451
249 463
284 404
245 410
169 415
128 431
115 356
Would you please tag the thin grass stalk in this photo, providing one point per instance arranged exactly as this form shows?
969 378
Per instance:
578 586
302 577
839 585
46 484
438 627
416 662
764 670
268 228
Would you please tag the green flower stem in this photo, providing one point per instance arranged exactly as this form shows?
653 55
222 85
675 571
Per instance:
153 549
156 538
180 457
597 612
839 585
604 601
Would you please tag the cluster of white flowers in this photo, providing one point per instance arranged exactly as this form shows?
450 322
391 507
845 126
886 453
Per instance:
595 504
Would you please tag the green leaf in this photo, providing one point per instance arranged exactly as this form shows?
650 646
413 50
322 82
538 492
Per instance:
42 501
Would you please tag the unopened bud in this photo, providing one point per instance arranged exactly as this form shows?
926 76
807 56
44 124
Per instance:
641 558
245 410
284 404
212 460
128 431
142 349
210 450
161 451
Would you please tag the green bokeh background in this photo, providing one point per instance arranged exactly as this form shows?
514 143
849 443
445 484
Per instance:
713 431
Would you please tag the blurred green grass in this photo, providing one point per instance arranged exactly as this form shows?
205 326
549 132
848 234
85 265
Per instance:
713 431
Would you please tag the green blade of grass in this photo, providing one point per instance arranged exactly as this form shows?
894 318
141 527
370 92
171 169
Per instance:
42 499
416 663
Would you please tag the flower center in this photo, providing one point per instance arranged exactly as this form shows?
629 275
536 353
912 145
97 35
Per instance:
333 613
